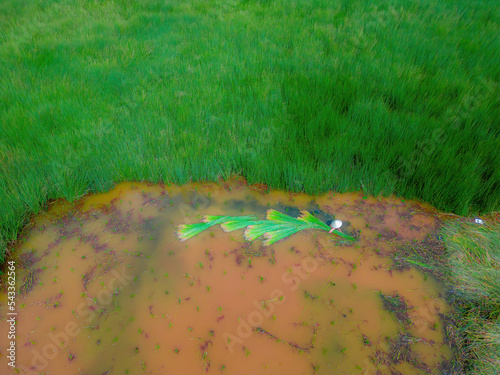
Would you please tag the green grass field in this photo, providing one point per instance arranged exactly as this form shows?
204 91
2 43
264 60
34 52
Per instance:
308 95
389 97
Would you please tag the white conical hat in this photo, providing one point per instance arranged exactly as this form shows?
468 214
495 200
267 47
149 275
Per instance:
336 224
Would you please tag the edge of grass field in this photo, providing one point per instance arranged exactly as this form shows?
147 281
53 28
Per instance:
465 257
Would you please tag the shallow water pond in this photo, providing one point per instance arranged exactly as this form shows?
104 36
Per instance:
106 287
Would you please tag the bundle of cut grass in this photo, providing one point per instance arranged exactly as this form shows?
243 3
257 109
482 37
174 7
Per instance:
186 231
276 226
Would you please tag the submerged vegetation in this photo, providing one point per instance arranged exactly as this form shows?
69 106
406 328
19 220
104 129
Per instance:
398 306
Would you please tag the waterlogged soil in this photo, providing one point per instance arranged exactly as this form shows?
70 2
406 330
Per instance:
106 287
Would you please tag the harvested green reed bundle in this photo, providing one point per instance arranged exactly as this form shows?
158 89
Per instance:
312 221
278 234
254 231
277 226
238 222
279 217
186 231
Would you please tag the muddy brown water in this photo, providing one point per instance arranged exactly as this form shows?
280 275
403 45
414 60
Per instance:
106 287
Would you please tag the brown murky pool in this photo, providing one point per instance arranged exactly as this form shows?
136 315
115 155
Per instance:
106 287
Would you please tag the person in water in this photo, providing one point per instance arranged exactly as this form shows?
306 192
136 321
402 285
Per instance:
335 225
